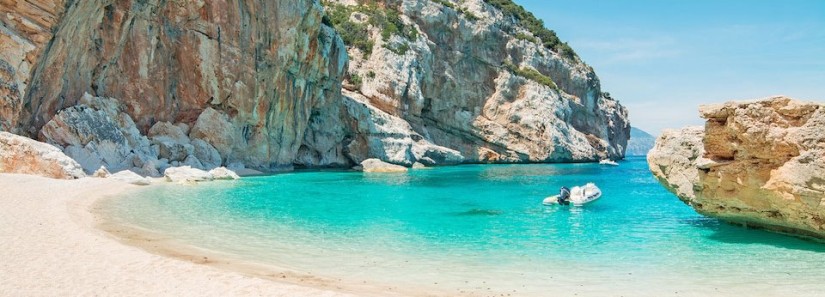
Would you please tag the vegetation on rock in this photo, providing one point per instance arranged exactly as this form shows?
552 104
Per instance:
529 21
531 74
356 34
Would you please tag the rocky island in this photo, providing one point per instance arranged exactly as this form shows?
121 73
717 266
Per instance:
757 163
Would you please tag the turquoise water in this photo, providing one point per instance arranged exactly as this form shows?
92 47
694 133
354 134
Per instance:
480 230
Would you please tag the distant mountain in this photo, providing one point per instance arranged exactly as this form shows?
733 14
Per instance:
640 142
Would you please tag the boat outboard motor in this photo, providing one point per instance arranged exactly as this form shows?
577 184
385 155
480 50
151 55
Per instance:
564 196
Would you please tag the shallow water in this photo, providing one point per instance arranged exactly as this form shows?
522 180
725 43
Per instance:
480 230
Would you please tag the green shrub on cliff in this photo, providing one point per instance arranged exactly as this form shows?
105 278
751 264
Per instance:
399 49
356 80
523 36
357 34
445 3
354 34
531 74
391 24
529 21
461 11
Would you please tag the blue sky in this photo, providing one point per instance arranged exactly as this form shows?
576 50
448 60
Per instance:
664 58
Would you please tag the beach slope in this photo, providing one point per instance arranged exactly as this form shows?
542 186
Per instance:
50 247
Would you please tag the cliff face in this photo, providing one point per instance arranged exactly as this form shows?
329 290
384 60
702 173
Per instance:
759 163
264 65
144 85
469 77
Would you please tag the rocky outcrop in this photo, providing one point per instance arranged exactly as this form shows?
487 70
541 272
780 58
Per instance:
22 155
390 138
758 163
261 66
466 76
26 28
674 160
211 83
97 133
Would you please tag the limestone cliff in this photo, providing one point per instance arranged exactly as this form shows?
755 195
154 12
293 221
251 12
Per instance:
471 77
144 85
263 65
758 163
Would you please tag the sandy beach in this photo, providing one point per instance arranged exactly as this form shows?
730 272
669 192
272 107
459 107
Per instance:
49 246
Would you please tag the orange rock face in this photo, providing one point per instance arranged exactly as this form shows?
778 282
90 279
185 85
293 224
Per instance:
25 30
265 64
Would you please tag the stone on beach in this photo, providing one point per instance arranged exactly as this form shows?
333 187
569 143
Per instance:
102 172
378 166
223 173
19 154
130 177
186 174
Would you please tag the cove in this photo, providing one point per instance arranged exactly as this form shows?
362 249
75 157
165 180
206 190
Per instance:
477 230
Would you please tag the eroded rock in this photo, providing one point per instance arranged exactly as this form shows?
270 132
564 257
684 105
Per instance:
265 66
759 163
460 84
390 138
22 155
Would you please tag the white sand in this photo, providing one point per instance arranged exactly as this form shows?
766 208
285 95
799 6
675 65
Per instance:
49 246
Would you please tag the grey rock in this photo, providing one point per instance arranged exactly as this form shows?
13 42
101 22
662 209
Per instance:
207 154
169 131
460 85
193 162
170 149
390 138
96 133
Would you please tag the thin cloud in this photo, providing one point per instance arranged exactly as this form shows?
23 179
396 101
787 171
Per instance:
632 49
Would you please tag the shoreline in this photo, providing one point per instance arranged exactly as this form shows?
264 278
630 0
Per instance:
53 246
162 245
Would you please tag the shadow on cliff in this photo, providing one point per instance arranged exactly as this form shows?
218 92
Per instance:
734 234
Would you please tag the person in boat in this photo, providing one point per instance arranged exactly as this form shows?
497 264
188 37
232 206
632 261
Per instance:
564 196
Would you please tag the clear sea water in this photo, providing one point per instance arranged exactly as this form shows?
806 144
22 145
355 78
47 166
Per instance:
480 230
